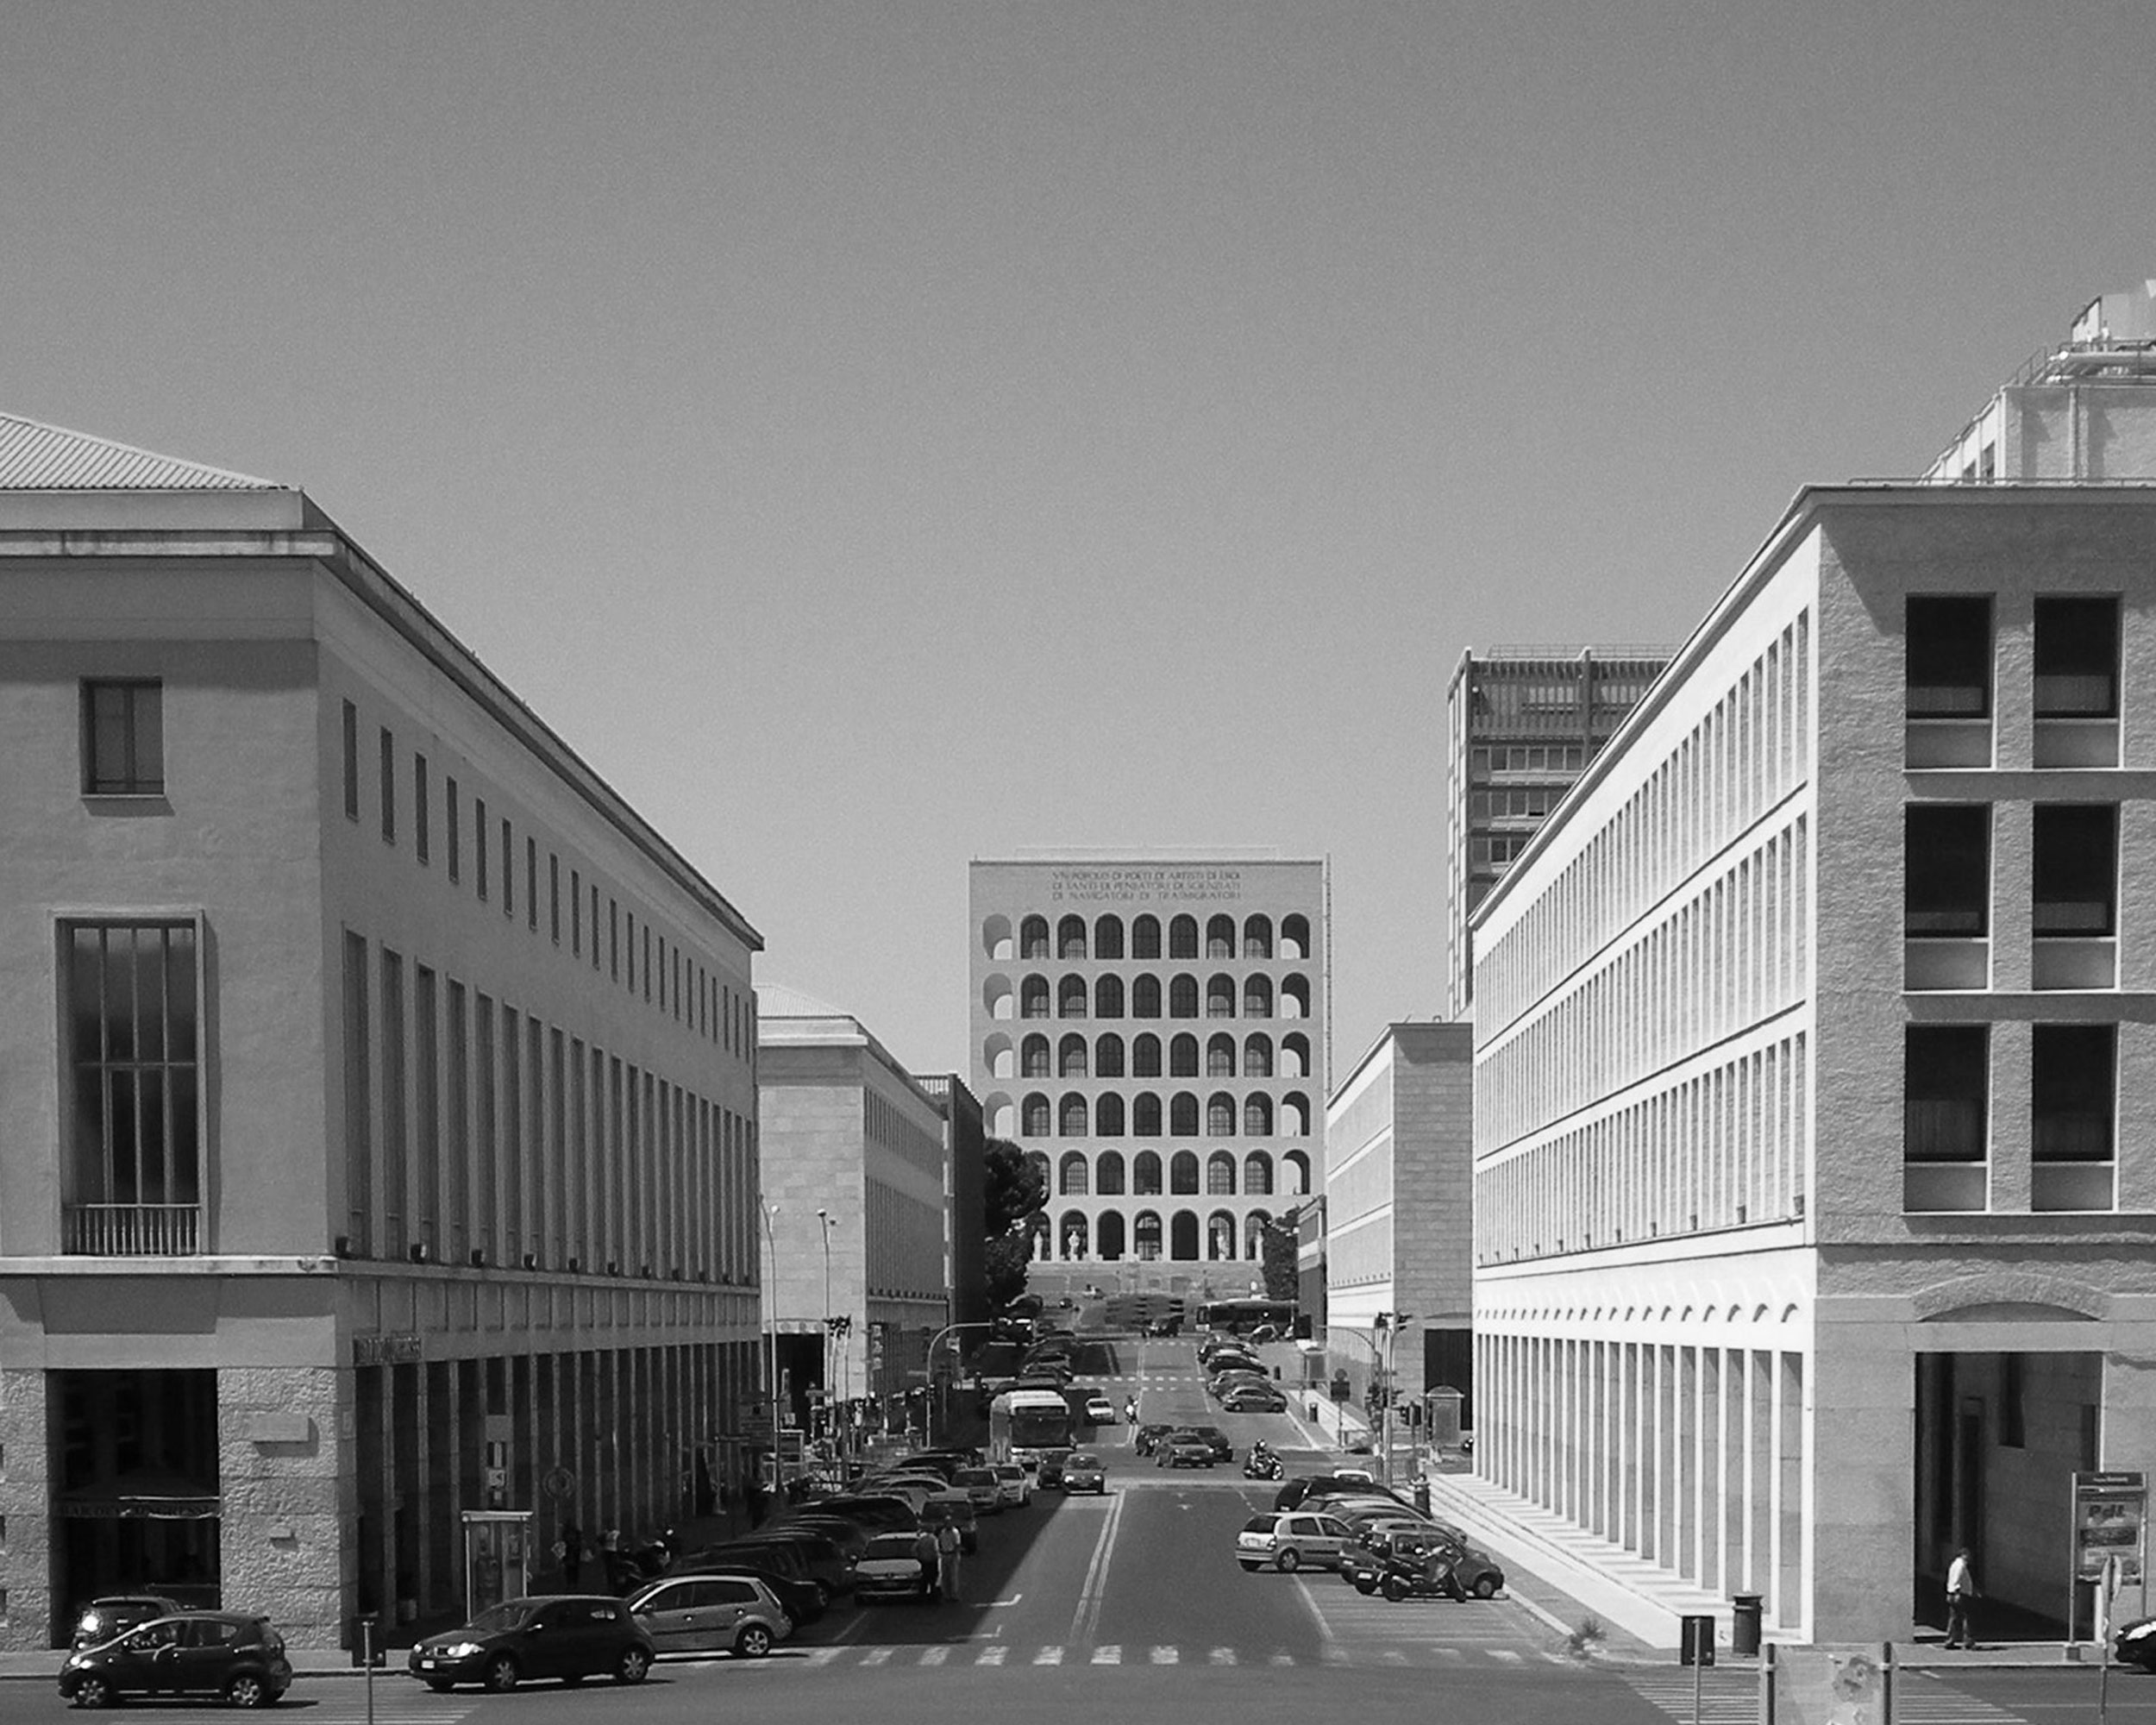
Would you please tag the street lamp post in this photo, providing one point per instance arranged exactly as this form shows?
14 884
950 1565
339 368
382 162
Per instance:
929 1362
831 1419
771 1291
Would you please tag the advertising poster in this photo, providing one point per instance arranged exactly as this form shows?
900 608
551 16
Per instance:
2109 1511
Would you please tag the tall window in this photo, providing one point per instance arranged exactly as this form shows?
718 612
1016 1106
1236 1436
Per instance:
388 747
1182 997
1183 937
1145 997
123 739
2076 868
1946 1089
2073 1092
351 762
1946 878
420 826
134 1169
2077 658
1145 1056
1949 657
1145 938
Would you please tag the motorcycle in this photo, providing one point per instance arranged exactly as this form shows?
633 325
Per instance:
1261 1464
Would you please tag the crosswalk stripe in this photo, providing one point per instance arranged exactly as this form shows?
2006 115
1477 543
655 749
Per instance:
935 1656
990 1656
823 1656
1223 1656
877 1656
1167 1656
1452 1656
1282 1659
1048 1656
1505 1654
1107 1654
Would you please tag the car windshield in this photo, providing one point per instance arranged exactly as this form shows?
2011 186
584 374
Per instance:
1258 1524
510 1616
1082 1461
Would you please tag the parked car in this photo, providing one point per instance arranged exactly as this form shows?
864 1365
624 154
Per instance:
1099 1411
872 1514
1397 1562
1183 1449
1253 1398
781 1569
1352 1481
704 1614
234 1655
569 1636
847 1536
1083 1472
1016 1484
827 1561
892 1568
1165 1327
115 1614
1286 1541
982 1489
1148 1435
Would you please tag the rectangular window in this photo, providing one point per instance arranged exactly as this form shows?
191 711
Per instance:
509 869
449 818
419 824
576 914
531 884
2073 1092
2077 658
554 896
2075 868
2012 1402
359 1100
1947 869
393 1138
647 962
613 940
479 845
389 787
351 762
134 1181
1945 1088
594 925
1949 657
123 739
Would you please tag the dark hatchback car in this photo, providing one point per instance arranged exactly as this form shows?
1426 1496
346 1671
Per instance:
115 1614
570 1636
1148 1436
234 1655
1214 1439
1183 1449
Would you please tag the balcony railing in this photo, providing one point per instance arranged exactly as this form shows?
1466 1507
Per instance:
132 1230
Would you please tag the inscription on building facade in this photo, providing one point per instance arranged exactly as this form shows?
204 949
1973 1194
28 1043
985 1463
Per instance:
1143 884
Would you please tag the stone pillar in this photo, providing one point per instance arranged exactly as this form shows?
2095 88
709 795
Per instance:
1789 1509
1760 1476
1665 1458
1710 1468
1687 1495
26 1484
1735 1449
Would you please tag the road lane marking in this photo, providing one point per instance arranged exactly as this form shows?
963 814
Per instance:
1085 1621
822 1656
1504 1655
1281 1660
1167 1656
1048 1656
935 1656
877 1656
1223 1656
990 1656
1107 1654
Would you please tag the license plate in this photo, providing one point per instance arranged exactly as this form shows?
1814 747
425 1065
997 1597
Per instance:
426 1664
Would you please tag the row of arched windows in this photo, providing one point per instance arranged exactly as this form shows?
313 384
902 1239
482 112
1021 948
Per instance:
1075 1056
1110 1235
1224 939
1077 1116
1078 1175
1072 997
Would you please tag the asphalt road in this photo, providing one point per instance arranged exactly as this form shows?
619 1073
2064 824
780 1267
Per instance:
1131 1606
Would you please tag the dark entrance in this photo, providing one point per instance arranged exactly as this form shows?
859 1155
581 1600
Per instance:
135 1504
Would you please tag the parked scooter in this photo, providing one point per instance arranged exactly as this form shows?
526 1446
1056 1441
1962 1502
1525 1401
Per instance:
1262 1463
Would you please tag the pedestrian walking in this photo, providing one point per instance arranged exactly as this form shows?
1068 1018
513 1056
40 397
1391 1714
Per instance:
947 1552
1961 1594
572 1554
926 1555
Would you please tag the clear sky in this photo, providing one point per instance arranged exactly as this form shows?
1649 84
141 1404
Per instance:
880 436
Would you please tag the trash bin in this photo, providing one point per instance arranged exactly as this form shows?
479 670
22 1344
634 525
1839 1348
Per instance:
1696 1639
1744 1625
1422 1497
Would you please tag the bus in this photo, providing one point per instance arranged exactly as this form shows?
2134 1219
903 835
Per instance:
1024 1422
1240 1317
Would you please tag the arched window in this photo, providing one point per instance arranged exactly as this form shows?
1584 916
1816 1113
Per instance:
1297 1168
1257 1055
1295 937
1145 997
1000 1115
1145 1115
1294 1055
1145 938
1145 1055
1033 998
1107 1117
1219 1174
1108 1056
1071 998
1182 1172
1111 1236
1074 1231
1258 997
1219 1236
1107 938
1257 1117
1108 1171
1145 1235
1183 1236
1257 936
1183 937
1254 1226
1036 1056
1220 936
1182 1116
1182 1056
1002 1058
1073 1182
1071 1118
1295 997
1071 937
1145 1173
1295 1115
1220 1055
1257 1175
1034 1116
1220 996
1033 937
995 939
1108 998
1182 998
997 996
1071 1056
1220 1115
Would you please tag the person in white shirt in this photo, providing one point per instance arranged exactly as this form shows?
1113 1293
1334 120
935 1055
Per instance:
1961 1590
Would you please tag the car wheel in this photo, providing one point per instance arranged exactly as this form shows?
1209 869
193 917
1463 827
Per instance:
754 1641
439 1685
94 1692
1249 1568
1485 1586
247 1690
823 1596
501 1674
1289 1561
1363 1584
1395 1589
631 1666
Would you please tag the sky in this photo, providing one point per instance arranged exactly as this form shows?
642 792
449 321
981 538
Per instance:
877 437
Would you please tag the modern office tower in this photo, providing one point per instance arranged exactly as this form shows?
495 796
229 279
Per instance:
1815 1035
856 1216
1153 1032
1524 723
378 1109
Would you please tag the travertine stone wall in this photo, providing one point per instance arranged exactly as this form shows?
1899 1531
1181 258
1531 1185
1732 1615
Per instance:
280 1465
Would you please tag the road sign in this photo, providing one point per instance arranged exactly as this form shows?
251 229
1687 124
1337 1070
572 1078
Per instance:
558 1483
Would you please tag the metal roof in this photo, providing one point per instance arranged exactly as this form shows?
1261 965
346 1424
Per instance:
39 457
